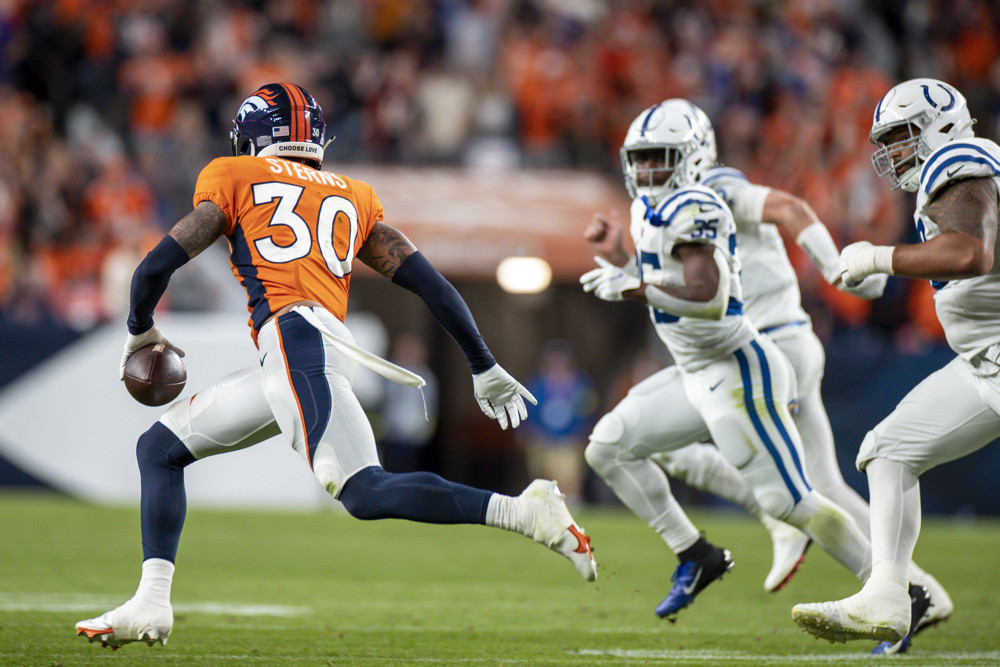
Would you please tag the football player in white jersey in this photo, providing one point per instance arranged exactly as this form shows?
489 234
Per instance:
729 383
926 144
773 303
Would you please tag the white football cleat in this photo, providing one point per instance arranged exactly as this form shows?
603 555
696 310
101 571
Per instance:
790 546
550 523
883 617
134 621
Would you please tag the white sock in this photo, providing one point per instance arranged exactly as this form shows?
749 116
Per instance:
643 487
895 512
887 575
506 512
157 577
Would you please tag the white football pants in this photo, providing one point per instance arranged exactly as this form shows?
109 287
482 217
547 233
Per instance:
741 402
301 387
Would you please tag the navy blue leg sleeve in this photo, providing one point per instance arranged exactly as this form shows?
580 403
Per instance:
374 493
162 457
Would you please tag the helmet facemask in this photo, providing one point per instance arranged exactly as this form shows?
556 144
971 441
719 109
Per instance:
903 171
651 171
667 147
934 114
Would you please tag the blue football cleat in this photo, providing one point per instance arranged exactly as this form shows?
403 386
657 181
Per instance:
691 577
920 602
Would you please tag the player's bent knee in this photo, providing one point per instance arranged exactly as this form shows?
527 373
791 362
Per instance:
868 450
159 446
600 456
360 493
609 430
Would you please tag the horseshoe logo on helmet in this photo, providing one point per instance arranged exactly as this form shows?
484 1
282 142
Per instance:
951 97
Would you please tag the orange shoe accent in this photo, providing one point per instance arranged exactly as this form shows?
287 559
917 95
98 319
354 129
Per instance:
91 633
582 541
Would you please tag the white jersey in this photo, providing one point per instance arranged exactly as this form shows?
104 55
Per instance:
968 309
771 296
694 214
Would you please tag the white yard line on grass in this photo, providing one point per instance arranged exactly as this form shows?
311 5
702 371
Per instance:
732 657
54 602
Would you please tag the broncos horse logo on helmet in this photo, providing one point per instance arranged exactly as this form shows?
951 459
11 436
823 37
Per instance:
281 120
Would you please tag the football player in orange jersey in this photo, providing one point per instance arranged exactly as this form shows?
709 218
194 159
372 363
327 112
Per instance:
294 232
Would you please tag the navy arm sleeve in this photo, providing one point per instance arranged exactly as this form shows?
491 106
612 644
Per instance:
446 304
150 280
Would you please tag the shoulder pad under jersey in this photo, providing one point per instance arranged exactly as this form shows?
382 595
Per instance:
966 158
694 213
726 181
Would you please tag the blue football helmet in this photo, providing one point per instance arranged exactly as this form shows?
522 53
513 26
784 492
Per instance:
281 120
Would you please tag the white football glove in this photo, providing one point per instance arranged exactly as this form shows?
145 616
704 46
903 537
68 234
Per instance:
862 259
870 288
151 336
608 281
500 396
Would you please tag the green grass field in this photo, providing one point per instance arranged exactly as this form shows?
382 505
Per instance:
320 588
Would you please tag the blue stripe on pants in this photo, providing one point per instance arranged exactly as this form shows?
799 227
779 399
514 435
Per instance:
302 345
769 400
759 426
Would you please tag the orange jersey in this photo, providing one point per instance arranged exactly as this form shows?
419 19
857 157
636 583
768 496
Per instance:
293 231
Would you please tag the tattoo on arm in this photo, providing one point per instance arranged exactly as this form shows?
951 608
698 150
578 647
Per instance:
969 206
386 249
200 228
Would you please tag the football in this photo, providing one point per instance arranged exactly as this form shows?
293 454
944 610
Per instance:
155 374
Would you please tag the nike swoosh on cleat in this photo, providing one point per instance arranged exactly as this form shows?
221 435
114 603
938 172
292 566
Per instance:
582 541
262 359
689 589
715 386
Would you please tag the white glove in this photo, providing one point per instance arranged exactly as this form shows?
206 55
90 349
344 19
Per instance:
609 281
151 336
870 288
862 259
499 396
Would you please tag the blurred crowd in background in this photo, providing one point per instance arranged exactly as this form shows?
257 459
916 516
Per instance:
110 108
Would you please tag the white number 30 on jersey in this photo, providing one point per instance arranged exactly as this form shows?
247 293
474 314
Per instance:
284 214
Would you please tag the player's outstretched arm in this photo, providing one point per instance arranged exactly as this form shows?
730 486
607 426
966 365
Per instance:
191 235
798 218
966 212
389 252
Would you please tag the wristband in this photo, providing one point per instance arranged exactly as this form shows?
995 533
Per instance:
818 244
866 260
